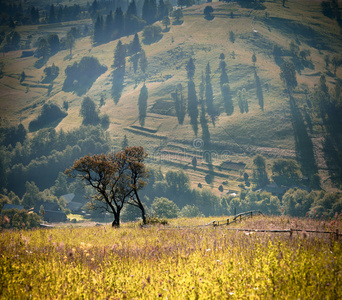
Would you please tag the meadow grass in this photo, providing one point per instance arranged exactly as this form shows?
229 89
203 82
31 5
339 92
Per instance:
169 263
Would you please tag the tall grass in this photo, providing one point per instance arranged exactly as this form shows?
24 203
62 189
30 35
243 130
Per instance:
168 263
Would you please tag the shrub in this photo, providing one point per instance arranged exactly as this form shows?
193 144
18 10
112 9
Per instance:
15 218
49 114
164 208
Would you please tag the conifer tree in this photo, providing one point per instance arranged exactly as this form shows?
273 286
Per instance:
192 106
240 101
259 92
142 104
124 143
227 99
109 27
205 128
135 46
98 30
143 62
119 22
190 69
52 15
132 9
245 100
180 104
119 56
209 97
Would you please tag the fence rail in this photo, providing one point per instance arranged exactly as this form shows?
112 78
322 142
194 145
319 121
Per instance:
250 214
234 219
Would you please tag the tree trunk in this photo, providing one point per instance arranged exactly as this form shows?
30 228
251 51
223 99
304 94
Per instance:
116 221
143 214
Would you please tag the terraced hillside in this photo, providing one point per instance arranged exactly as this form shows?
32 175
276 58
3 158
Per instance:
234 139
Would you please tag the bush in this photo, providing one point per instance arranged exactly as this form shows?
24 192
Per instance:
15 218
82 75
164 208
152 34
190 211
50 113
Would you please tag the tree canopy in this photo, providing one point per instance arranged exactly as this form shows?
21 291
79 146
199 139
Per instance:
116 177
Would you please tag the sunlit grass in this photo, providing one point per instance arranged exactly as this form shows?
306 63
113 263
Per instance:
159 261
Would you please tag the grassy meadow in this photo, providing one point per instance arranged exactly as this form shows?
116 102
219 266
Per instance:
175 261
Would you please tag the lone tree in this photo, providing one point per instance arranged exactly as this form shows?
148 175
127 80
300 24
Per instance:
208 12
117 178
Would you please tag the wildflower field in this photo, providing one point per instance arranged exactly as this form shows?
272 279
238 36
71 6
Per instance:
170 262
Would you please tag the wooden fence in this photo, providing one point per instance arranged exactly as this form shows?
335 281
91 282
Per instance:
250 214
234 219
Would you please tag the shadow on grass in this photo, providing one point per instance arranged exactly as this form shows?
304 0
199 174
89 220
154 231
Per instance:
304 146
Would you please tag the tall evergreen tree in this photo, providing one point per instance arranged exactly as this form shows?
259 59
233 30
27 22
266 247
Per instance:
240 102
124 143
109 27
119 56
209 96
201 88
180 104
52 15
190 69
135 46
224 75
162 10
132 9
259 92
142 104
145 10
98 30
193 106
143 62
227 99
205 128
119 22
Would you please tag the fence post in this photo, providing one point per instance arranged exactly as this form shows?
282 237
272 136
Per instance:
291 231
336 234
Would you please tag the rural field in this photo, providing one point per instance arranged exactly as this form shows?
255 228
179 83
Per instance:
131 129
175 261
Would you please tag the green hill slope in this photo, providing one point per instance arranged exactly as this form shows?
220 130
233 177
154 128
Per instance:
272 132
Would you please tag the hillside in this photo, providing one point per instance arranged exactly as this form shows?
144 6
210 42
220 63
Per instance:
235 139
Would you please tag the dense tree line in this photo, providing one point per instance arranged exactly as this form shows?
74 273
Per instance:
47 153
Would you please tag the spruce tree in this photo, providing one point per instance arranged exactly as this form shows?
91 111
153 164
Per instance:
180 104
205 128
124 143
135 46
245 100
98 30
143 62
132 9
119 56
192 106
240 102
119 22
227 99
109 27
259 92
142 104
190 69
209 97
119 66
